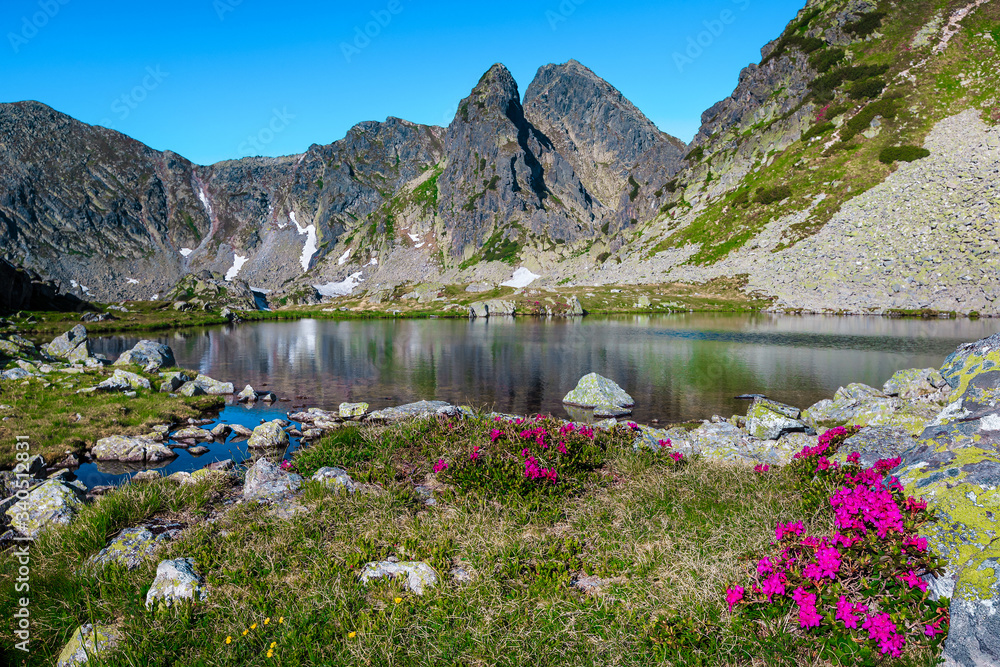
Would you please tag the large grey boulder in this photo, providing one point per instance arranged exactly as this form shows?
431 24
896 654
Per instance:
266 482
269 435
131 448
173 380
417 576
248 395
89 641
353 410
72 345
152 356
176 580
52 503
914 382
593 390
190 389
192 433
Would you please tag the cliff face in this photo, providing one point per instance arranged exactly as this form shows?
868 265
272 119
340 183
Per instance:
573 182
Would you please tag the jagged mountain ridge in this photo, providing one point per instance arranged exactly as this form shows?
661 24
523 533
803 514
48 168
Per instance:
110 218
576 184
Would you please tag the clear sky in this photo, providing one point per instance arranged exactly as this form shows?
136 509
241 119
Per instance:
220 79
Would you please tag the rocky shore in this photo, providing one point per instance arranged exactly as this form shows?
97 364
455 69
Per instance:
943 425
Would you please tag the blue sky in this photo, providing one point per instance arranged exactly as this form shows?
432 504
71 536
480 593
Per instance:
220 79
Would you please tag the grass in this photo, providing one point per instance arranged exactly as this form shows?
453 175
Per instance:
669 539
48 414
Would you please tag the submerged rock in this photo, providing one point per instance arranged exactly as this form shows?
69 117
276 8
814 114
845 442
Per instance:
417 576
89 641
152 356
52 503
248 395
593 390
176 580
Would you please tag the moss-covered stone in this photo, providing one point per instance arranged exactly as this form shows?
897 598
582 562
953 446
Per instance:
52 503
89 641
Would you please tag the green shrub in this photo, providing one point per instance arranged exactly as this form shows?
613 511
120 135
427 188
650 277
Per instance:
886 108
824 60
742 198
865 25
634 192
823 87
892 154
817 130
696 154
769 196
867 89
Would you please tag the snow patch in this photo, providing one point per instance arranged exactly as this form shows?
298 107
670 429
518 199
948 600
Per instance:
374 262
420 245
310 248
343 288
413 237
204 200
343 258
238 262
186 251
522 278
132 281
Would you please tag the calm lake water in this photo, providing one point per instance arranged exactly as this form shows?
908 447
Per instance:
676 367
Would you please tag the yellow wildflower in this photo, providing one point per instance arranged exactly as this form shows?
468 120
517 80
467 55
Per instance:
229 640
267 620
273 644
245 632
270 653
398 600
253 627
352 635
281 619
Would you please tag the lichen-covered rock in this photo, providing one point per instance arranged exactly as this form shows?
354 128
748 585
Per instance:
417 410
176 580
914 382
768 420
52 503
190 389
335 478
74 345
123 380
173 381
214 387
131 448
267 482
969 360
269 435
192 433
353 410
132 547
593 390
248 395
152 356
89 641
974 631
873 443
417 576
15 374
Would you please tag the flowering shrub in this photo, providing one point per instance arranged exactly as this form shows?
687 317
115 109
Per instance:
858 587
540 455
665 454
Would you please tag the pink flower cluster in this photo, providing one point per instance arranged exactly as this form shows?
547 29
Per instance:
533 471
762 468
475 453
822 444
537 434
440 465
865 507
881 628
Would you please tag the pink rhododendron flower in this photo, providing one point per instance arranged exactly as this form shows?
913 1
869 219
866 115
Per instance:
734 595
847 613
676 456
495 435
854 457
808 616
440 465
774 585
475 454
762 467
885 465
664 443
562 448
913 581
764 566
788 529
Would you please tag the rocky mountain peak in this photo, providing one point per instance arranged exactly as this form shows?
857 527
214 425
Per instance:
600 132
